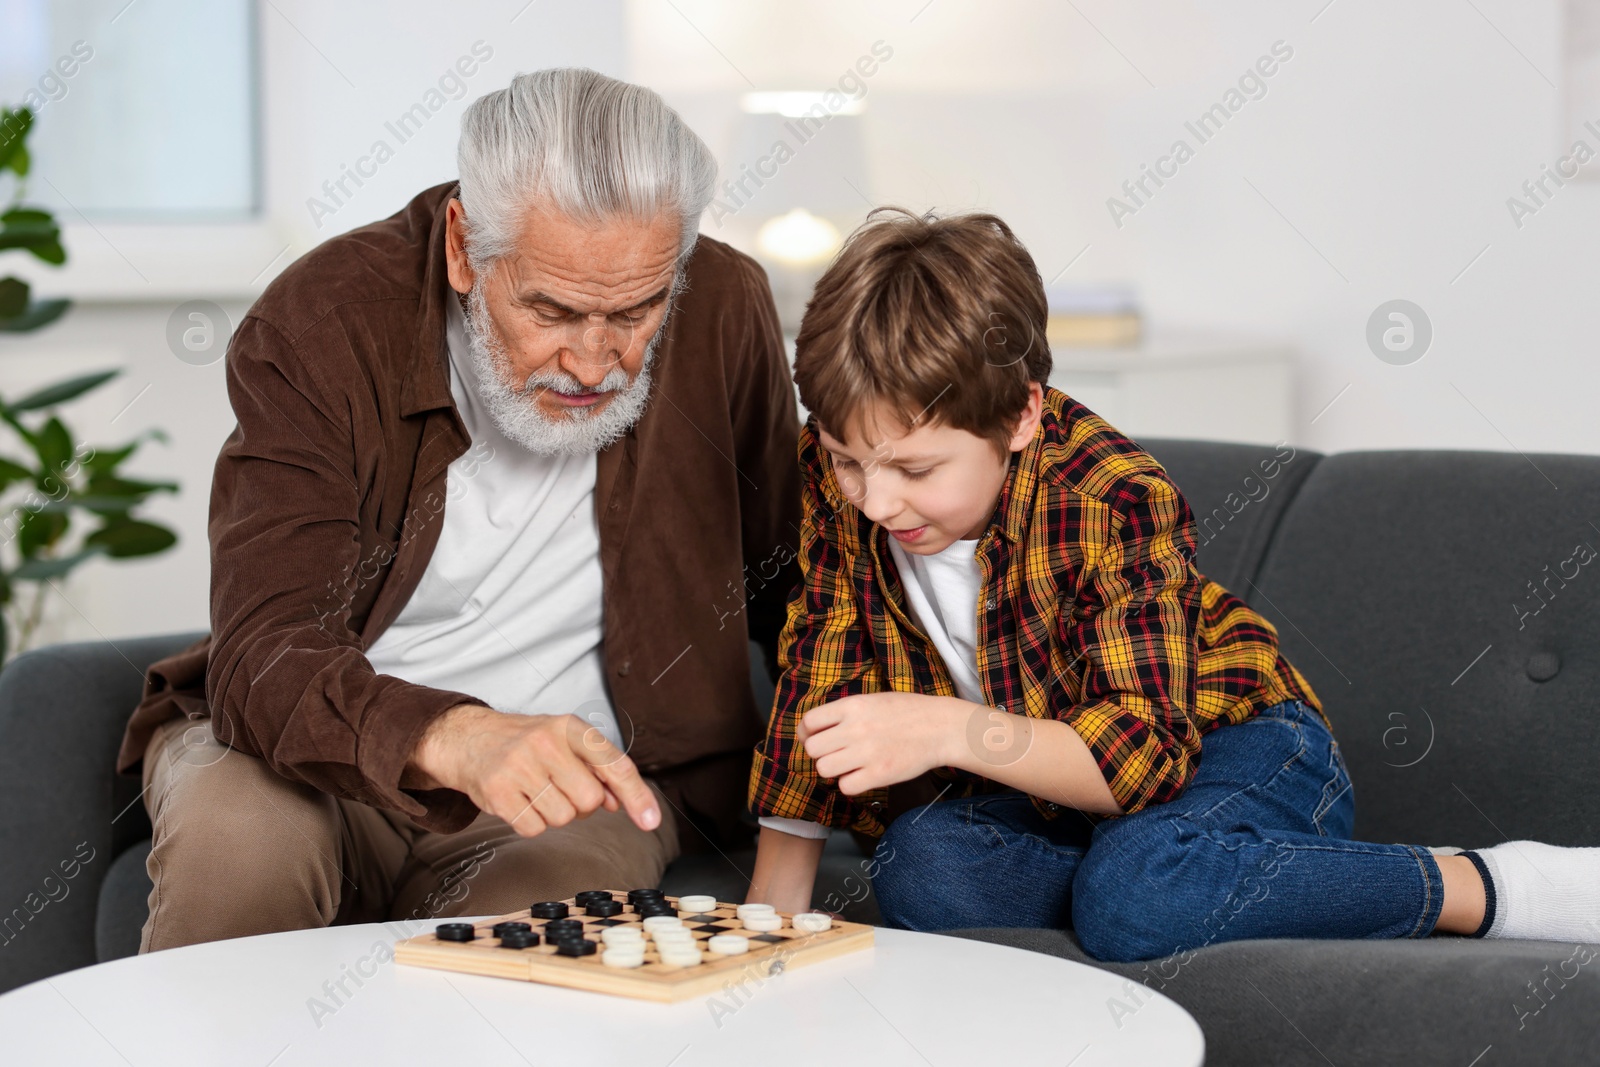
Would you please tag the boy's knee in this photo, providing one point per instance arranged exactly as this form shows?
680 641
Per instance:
916 865
1126 896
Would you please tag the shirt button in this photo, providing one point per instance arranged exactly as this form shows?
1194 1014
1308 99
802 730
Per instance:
988 605
1052 807
876 805
625 666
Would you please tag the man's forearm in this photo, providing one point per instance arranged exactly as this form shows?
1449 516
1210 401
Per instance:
427 769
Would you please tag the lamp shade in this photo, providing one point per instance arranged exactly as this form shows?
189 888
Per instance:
814 161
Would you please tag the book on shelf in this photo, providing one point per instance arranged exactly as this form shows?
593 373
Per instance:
1093 316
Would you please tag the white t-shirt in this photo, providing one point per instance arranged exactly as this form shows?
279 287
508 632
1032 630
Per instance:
941 597
509 607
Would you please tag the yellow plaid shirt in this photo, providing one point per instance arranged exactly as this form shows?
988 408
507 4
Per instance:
1091 612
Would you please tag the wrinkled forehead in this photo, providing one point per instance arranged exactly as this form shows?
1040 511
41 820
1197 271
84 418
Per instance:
602 265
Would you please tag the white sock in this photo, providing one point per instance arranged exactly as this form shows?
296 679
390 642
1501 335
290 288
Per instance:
1542 892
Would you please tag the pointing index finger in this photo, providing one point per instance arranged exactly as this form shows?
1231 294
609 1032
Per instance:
621 778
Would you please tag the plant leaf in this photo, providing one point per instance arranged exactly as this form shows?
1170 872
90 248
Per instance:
13 297
14 126
51 252
40 313
33 230
27 215
111 485
106 462
37 570
61 392
54 446
13 472
122 538
100 505
39 529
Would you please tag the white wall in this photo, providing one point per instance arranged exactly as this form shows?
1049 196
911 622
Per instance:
1390 141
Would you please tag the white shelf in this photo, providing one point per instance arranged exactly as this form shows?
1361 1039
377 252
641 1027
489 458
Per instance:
1202 387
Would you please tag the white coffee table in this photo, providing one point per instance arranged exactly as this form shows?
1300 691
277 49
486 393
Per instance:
915 999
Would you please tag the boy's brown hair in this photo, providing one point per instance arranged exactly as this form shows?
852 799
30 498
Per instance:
940 319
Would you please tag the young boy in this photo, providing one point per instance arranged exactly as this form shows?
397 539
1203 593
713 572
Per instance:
1000 612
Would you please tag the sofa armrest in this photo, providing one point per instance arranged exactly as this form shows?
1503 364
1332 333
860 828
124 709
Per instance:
68 814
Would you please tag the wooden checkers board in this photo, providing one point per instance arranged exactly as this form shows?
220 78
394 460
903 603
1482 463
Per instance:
770 952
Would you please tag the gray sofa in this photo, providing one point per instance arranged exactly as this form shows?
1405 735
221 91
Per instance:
1437 601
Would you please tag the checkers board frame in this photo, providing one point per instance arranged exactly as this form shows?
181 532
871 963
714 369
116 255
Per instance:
769 954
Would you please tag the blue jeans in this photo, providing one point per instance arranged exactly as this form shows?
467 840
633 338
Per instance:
1258 845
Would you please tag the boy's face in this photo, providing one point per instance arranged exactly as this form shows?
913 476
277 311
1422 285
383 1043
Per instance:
928 485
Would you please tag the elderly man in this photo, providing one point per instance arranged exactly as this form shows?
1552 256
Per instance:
513 484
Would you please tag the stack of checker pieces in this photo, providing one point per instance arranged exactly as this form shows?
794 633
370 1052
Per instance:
563 943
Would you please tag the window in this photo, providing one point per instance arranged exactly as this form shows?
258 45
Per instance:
145 110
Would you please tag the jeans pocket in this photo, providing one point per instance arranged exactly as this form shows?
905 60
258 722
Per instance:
1338 798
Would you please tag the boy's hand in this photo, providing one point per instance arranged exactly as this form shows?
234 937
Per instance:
878 739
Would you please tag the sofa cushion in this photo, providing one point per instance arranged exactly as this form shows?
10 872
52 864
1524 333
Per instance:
68 815
124 905
1445 606
1287 1003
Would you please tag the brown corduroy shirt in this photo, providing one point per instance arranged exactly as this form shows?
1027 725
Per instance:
328 498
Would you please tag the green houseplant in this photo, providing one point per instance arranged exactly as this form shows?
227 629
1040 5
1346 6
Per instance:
56 480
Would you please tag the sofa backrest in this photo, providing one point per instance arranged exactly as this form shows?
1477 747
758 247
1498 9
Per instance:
1451 597
1445 606
1238 494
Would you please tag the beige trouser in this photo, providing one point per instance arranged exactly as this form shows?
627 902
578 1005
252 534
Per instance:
239 850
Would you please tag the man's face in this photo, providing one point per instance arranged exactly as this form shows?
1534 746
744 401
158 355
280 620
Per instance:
928 485
566 322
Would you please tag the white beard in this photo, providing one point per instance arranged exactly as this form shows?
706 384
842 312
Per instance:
516 412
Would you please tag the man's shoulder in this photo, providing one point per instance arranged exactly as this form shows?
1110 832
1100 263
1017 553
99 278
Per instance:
383 261
715 258
718 270
1084 455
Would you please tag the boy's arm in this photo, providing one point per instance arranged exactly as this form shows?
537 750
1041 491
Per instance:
882 738
1041 757
1134 622
1128 740
824 654
786 870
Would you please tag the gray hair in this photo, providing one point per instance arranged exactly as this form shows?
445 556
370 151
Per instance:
596 147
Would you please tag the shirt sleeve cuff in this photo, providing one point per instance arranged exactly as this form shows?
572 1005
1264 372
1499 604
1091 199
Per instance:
797 827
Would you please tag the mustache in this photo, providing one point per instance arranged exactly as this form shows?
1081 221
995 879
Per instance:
557 382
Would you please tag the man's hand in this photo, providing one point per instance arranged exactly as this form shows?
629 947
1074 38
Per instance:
878 739
533 771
